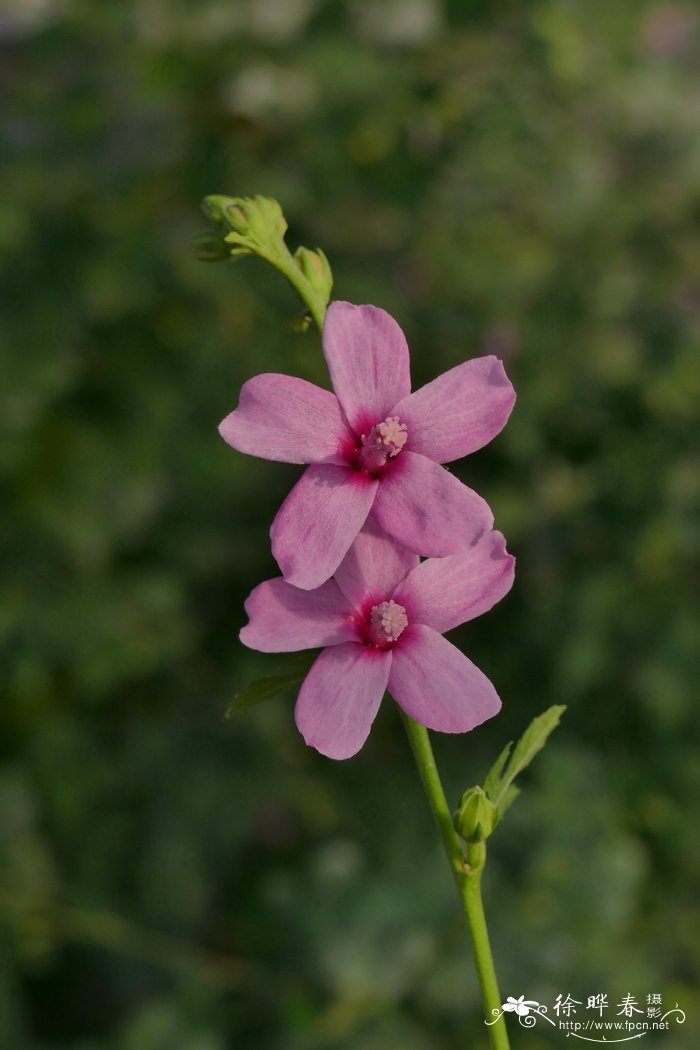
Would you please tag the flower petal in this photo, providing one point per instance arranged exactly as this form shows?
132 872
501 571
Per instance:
374 566
444 592
368 362
287 419
284 619
340 697
427 509
318 521
437 685
460 411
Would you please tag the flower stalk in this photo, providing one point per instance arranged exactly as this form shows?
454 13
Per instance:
467 872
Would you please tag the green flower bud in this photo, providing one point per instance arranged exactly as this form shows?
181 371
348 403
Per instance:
214 206
317 270
254 224
258 218
476 816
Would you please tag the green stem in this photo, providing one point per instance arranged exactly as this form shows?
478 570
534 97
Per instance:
284 262
297 279
467 873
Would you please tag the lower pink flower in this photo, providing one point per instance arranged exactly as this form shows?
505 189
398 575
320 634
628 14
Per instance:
381 621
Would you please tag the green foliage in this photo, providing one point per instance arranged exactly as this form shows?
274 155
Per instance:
509 179
268 688
480 809
499 779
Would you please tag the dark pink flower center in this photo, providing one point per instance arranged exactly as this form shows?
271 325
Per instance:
384 441
387 622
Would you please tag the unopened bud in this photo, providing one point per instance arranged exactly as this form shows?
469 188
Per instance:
258 218
317 270
476 816
252 222
214 206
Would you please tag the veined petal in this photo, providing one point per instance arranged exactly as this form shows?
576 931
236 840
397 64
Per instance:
437 685
460 411
284 619
287 419
374 566
318 521
368 362
340 697
444 592
427 509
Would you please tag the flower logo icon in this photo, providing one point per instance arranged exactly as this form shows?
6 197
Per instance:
520 1006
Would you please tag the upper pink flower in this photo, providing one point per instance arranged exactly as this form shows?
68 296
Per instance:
374 446
381 619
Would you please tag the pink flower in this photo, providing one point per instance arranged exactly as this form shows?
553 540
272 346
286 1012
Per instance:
374 447
381 620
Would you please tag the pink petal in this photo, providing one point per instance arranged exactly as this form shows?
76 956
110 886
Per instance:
284 619
460 411
340 697
437 685
373 566
444 592
287 419
318 521
427 509
368 361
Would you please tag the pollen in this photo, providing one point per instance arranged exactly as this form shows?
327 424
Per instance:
388 621
384 441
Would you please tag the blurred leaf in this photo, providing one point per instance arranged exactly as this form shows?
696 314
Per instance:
260 691
269 688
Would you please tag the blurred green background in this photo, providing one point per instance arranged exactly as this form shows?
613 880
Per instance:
518 179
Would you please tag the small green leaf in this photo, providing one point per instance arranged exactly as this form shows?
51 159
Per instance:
531 742
510 795
270 687
493 776
257 692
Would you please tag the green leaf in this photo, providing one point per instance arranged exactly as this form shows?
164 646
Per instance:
257 692
511 793
531 742
270 687
493 776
